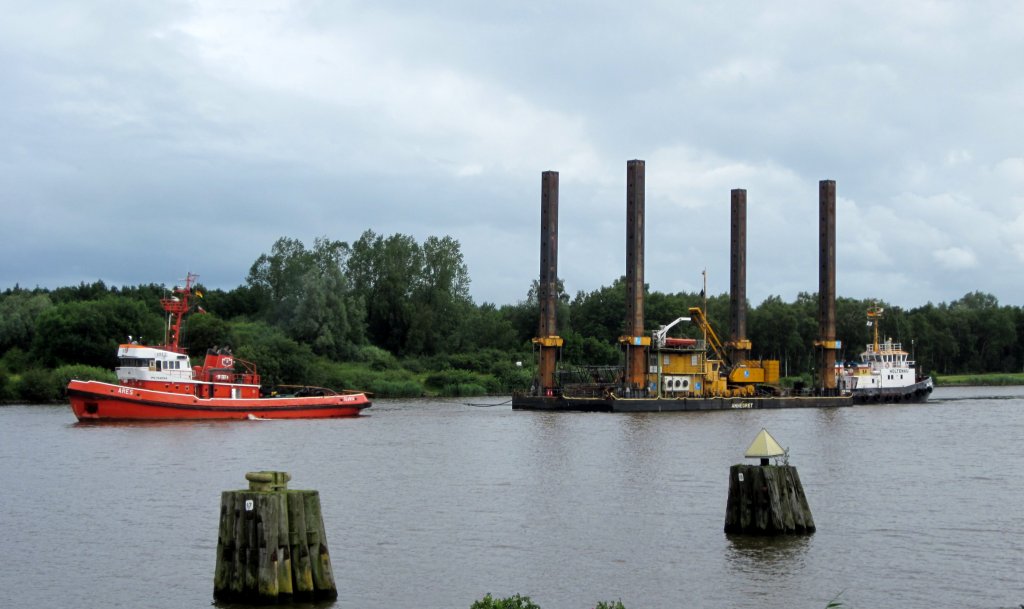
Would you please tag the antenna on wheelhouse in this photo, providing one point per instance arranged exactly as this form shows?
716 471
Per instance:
176 308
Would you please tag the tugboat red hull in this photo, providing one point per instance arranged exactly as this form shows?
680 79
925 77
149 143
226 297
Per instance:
97 401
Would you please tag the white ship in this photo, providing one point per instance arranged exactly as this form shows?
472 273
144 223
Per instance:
885 372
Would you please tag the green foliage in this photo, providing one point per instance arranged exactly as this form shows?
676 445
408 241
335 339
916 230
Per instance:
306 294
42 386
416 297
18 314
243 303
386 383
523 602
498 371
376 358
980 379
588 350
37 386
395 389
513 602
65 374
279 359
462 382
205 331
83 291
5 386
601 313
801 380
523 318
515 379
88 332
462 390
16 360
486 327
411 300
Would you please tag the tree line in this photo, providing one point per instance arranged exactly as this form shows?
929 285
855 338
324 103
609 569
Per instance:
393 314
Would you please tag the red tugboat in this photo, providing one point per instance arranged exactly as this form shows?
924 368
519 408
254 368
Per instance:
159 383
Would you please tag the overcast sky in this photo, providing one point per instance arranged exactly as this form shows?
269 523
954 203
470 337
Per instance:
143 140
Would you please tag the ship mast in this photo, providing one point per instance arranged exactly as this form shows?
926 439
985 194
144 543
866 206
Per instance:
874 316
176 308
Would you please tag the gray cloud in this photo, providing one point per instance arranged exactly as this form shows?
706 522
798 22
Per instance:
142 142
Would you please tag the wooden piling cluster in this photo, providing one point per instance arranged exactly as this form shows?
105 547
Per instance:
767 500
272 546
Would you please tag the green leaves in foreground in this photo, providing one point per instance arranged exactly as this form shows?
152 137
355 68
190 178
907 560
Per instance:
524 602
512 602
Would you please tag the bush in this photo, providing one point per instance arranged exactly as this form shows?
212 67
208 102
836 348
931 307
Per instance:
396 389
325 373
377 358
280 360
16 360
439 381
5 384
524 602
425 363
512 602
38 386
516 379
460 390
81 372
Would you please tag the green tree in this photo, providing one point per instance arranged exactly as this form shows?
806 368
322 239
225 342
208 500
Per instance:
306 293
442 298
601 313
83 291
204 331
485 327
18 314
384 273
513 602
986 332
936 347
278 358
416 297
88 332
774 329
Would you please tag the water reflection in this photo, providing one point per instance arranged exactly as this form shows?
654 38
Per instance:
770 556
291 605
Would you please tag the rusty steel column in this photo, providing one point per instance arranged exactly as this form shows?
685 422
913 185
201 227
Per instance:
826 342
547 293
634 339
739 346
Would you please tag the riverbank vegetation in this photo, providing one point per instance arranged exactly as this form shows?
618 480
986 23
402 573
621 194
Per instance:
393 316
517 601
969 380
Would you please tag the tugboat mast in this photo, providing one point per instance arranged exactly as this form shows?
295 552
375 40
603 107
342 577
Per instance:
176 308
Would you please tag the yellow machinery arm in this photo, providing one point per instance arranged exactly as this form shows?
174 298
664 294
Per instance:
698 318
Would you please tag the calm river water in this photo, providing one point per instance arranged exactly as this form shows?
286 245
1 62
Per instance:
432 504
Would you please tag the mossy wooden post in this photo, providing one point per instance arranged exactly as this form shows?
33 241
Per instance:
766 499
271 544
